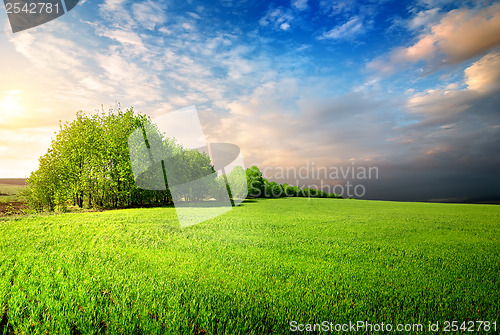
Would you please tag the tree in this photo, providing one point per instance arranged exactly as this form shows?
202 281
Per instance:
255 182
88 165
237 181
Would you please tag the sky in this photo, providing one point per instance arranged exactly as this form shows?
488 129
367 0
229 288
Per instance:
408 88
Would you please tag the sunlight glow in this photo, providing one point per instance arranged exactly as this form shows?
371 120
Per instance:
11 106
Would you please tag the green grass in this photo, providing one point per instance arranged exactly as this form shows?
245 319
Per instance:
250 271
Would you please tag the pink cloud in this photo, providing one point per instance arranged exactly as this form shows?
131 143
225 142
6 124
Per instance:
460 35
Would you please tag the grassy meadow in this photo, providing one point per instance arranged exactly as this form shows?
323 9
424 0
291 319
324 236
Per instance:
252 270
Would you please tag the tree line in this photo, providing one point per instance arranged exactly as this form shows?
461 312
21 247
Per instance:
88 165
260 187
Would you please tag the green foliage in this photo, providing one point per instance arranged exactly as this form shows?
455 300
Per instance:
237 181
259 187
88 165
220 190
255 182
250 271
186 166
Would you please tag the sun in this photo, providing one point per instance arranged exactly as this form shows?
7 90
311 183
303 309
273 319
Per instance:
11 106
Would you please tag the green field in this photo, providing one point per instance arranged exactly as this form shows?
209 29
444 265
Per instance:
251 271
10 190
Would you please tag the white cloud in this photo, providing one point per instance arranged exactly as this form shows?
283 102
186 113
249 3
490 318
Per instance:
285 26
117 14
300 4
149 14
96 84
129 79
347 30
484 75
126 38
424 18
434 3
334 8
279 18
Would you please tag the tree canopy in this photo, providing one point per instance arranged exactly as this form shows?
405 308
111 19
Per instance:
88 165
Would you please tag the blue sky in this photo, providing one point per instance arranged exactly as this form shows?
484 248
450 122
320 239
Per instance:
409 87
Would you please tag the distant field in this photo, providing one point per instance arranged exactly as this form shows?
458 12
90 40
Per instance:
10 199
9 189
251 271
13 181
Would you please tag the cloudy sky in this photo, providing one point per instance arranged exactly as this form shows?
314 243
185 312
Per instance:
411 88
